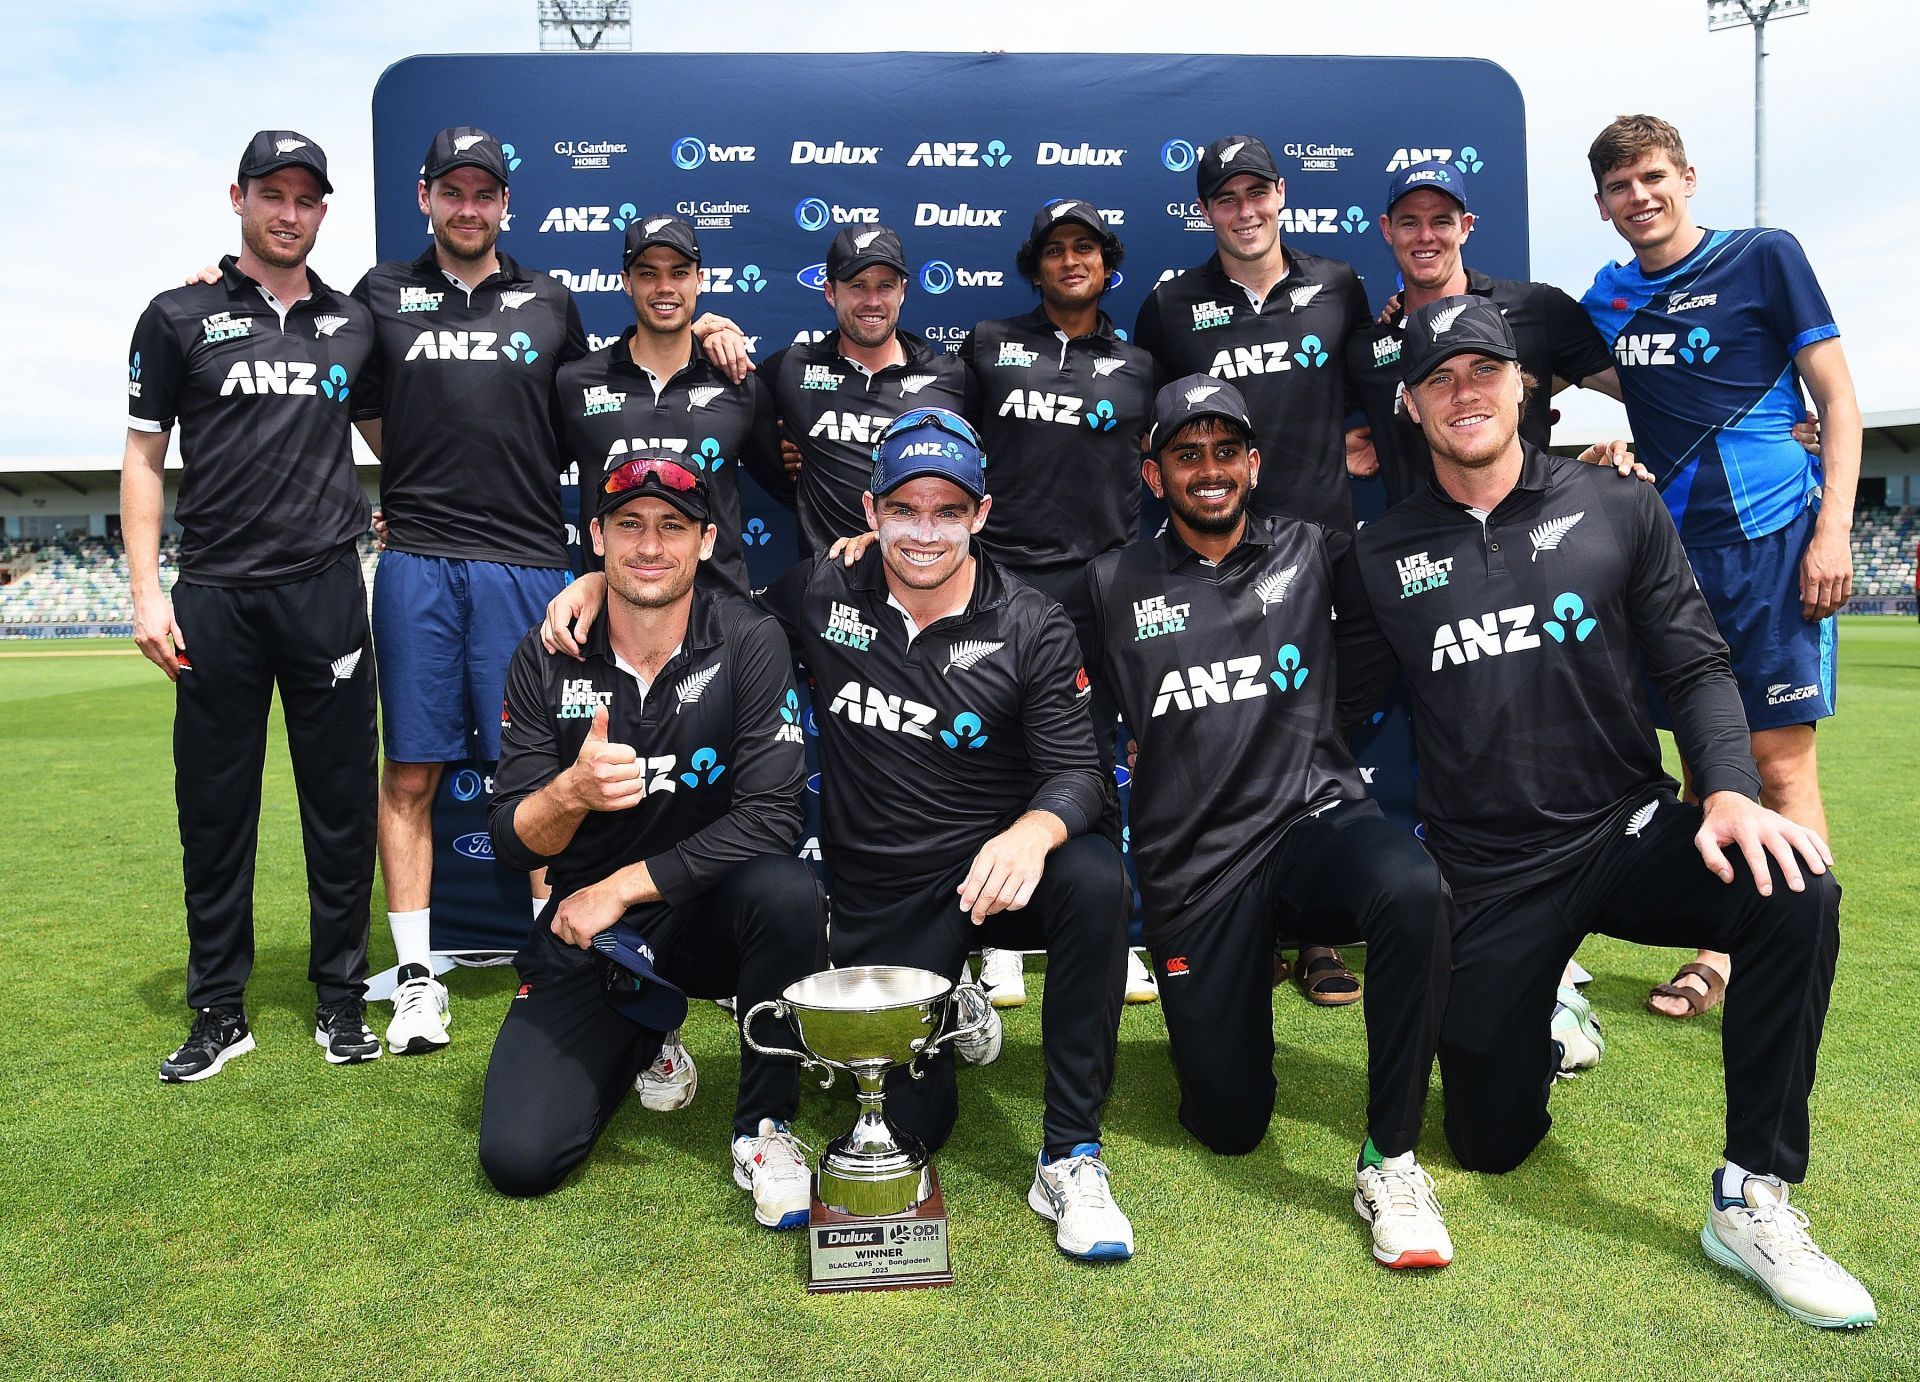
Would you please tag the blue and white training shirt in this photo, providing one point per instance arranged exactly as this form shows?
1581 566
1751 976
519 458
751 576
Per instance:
1705 354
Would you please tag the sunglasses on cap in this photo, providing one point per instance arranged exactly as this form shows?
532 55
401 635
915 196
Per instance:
633 474
951 423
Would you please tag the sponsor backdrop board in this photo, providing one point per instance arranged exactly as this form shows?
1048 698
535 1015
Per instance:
769 155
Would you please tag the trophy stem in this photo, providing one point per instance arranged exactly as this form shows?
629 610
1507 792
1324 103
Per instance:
874 1168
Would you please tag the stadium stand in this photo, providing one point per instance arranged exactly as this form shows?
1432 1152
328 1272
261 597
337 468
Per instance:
1883 551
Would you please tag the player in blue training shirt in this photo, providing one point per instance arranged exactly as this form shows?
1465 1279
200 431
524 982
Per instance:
1713 334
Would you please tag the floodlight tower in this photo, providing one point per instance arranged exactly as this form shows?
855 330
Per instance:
569 26
1736 14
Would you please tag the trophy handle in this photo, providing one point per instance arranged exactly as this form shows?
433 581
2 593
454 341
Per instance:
779 1010
932 1047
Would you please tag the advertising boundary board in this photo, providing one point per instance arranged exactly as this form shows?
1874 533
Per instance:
769 155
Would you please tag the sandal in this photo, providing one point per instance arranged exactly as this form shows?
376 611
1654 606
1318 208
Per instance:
1282 969
1325 979
1696 1001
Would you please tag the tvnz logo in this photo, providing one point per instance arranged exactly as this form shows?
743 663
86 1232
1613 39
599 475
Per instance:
1178 156
689 153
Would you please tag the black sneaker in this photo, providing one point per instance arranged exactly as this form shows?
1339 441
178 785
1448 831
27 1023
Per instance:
341 1030
218 1035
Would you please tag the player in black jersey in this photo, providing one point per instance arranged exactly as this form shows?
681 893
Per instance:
1527 598
257 368
660 777
655 387
835 396
1218 637
1062 400
1274 320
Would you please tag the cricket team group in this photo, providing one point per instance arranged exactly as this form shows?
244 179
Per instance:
985 633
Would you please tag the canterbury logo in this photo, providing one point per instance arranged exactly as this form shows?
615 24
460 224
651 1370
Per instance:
1195 397
964 655
1300 297
1272 588
1637 822
343 667
689 691
1547 536
702 396
1443 320
466 141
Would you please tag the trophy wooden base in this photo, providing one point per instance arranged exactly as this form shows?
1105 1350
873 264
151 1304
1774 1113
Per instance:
849 1253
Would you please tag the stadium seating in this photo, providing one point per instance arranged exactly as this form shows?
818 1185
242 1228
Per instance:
81 580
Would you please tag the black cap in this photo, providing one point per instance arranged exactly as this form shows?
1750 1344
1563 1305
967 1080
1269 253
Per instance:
464 146
1059 212
1189 399
666 230
1229 158
271 150
652 473
1458 325
858 247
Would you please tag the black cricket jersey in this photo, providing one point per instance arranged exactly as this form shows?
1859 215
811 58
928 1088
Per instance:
1286 356
1554 337
932 745
1225 677
718 732
463 387
267 490
611 407
834 411
1061 420
1527 643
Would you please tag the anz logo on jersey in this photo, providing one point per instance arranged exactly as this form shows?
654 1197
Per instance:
1510 631
1234 679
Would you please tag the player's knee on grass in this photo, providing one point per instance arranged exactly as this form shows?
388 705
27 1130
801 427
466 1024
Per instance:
1496 1113
1228 1125
518 1162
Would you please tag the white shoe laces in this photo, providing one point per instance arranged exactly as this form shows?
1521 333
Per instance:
793 1153
1084 1180
413 996
1407 1190
1787 1235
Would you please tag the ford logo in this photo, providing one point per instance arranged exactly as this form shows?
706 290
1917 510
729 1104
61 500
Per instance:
478 845
814 276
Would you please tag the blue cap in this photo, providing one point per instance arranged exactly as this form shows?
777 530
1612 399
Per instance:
1441 177
633 989
929 441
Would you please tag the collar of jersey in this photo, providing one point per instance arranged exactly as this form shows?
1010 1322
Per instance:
243 289
1536 477
703 632
1042 325
990 588
623 360
918 349
1296 271
1174 552
509 272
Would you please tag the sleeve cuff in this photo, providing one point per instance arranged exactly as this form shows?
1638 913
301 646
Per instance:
671 876
1810 335
1728 777
144 424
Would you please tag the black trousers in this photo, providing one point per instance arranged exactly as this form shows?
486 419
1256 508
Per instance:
1349 863
310 639
565 1059
1067 586
1078 915
1650 887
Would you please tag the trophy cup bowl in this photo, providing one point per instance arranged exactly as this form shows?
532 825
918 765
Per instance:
866 1020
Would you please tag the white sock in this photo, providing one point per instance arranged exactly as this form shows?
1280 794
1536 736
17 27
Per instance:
1733 1180
412 943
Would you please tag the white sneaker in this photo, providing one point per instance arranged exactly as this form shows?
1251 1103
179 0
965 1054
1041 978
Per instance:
1397 1198
420 1014
1004 978
668 1084
1073 1192
1140 985
775 1167
1762 1236
983 1047
1577 1030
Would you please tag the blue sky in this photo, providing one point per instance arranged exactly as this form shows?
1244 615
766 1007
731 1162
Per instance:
121 134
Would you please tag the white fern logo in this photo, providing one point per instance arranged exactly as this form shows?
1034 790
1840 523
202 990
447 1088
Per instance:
689 691
865 238
287 146
1195 397
1548 535
653 226
343 667
1272 588
1444 320
913 383
1232 151
1108 365
466 141
1637 822
326 326
702 396
1057 212
965 655
1300 297
515 298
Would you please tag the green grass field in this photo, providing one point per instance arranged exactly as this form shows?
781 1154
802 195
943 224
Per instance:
293 1219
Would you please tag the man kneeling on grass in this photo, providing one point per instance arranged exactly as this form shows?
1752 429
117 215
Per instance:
1527 598
659 777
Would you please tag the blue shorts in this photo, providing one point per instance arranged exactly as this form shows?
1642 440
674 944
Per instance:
444 631
1783 662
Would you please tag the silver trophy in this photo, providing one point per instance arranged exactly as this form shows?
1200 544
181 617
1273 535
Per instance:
867 1020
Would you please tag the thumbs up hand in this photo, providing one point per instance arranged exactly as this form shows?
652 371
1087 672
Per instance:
605 776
